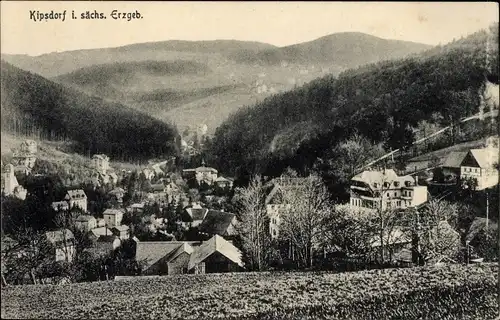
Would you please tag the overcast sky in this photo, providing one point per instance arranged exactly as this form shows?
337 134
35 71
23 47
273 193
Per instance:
278 23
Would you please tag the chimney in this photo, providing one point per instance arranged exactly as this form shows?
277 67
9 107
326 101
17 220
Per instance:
416 180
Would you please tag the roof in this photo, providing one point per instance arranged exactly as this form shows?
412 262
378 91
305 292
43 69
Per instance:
84 218
206 169
76 194
217 222
372 177
107 238
222 179
405 255
100 156
197 213
116 190
184 247
59 235
62 204
121 228
151 252
102 231
158 187
485 157
215 244
478 225
112 212
454 159
137 206
397 236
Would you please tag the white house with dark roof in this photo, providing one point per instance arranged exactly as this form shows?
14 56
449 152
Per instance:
63 244
121 231
60 205
215 255
77 198
384 189
85 222
100 162
10 185
482 166
113 217
201 174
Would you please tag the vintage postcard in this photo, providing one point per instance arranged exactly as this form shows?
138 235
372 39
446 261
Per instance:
249 160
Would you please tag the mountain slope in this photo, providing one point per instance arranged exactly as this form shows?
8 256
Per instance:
32 104
384 102
234 73
348 49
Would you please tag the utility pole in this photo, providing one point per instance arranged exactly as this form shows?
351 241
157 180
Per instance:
487 212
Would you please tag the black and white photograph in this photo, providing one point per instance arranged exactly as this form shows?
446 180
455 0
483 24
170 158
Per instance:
250 160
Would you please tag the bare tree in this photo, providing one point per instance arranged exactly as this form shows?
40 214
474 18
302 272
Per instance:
302 223
253 225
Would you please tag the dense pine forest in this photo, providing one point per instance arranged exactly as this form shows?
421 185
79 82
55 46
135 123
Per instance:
35 106
384 103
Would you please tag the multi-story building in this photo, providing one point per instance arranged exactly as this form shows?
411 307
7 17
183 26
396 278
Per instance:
113 217
10 185
275 207
77 198
384 189
100 162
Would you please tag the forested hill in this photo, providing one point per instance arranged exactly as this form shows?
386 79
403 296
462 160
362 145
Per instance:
383 102
32 104
347 49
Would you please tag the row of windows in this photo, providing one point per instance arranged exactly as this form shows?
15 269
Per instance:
476 170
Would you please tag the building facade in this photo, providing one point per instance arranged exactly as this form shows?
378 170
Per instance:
100 162
77 198
372 190
481 166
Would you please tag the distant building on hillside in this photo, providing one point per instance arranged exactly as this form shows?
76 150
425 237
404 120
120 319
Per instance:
374 190
204 174
29 147
481 165
100 162
10 185
60 206
77 198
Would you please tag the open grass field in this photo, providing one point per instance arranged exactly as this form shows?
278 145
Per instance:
444 292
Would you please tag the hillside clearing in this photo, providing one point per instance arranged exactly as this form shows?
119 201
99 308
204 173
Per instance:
437 292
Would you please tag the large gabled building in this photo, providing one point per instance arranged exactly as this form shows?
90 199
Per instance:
481 165
373 189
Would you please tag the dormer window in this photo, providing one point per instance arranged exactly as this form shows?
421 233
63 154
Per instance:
386 184
396 184
375 185
407 183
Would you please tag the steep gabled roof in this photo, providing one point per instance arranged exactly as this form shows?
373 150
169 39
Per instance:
84 218
102 231
58 236
112 212
486 157
184 247
215 244
76 194
151 252
454 159
197 214
217 222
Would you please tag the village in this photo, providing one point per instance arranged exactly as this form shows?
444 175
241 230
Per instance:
170 222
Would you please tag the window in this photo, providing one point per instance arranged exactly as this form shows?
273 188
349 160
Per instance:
395 194
398 203
388 195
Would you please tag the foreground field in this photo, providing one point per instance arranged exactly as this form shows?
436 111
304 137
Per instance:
446 292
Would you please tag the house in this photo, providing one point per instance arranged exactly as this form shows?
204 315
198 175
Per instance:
100 162
204 174
63 244
100 223
136 208
95 233
193 216
148 173
223 183
164 257
10 185
29 147
219 222
60 205
176 257
451 167
275 207
121 232
113 217
480 165
394 242
215 255
85 222
77 198
22 169
106 244
372 190
117 194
